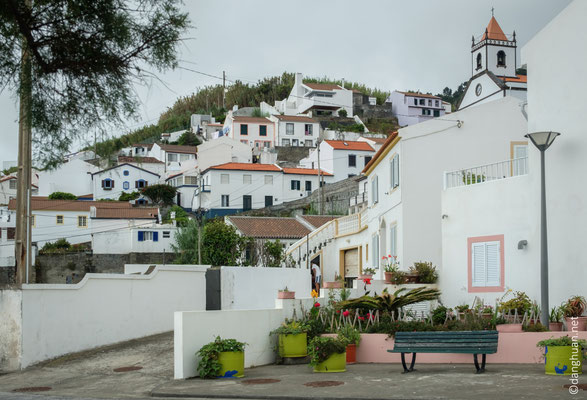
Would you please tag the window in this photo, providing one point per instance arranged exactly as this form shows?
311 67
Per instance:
423 111
125 185
59 219
12 184
247 202
33 220
374 190
394 171
437 113
141 183
309 186
225 200
268 180
247 179
485 262
308 129
125 172
308 143
82 221
166 234
245 142
172 158
393 238
352 160
266 144
262 130
140 202
436 103
10 233
289 128
367 159
295 142
415 102
422 102
478 61
185 157
148 236
190 180
429 103
224 179
501 58
285 142
107 184
268 201
244 129
375 250
295 185
520 159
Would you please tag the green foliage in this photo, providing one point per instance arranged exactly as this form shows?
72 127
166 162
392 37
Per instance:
349 335
257 113
273 253
369 271
160 194
59 246
537 327
335 126
575 306
320 348
221 245
556 314
342 113
426 272
562 341
453 97
185 244
291 327
209 366
62 196
470 179
398 277
380 95
129 196
181 216
10 170
439 315
390 302
188 139
520 303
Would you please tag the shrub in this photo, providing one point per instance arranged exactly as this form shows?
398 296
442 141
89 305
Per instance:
426 272
59 246
181 216
439 315
291 328
62 196
575 306
349 335
160 194
129 196
520 303
342 112
209 366
562 341
320 348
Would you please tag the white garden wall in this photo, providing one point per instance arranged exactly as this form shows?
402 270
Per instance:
10 329
255 288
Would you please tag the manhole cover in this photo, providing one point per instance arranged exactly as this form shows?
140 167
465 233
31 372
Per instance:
582 386
127 369
259 381
33 389
324 383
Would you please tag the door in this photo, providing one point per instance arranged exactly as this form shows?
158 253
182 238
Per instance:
178 199
268 201
520 162
351 263
247 202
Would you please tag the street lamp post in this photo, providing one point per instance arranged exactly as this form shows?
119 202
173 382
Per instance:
542 141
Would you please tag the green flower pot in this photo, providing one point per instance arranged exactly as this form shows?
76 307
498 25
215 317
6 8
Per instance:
293 345
559 360
233 364
334 363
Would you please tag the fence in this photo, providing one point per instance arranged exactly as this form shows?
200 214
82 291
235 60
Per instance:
486 173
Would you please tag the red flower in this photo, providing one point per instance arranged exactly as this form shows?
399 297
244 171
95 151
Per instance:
338 311
362 318
367 281
369 315
316 304
346 313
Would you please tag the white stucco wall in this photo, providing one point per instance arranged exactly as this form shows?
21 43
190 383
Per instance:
222 150
104 309
490 91
117 175
252 288
71 177
10 329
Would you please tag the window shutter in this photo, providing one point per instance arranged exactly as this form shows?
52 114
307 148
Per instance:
478 265
102 182
155 236
396 171
112 183
376 189
393 235
141 236
146 183
493 261
136 184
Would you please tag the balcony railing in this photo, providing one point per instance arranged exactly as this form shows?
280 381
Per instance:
486 173
358 199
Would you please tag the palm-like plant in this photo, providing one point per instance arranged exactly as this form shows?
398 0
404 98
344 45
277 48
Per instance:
575 306
391 302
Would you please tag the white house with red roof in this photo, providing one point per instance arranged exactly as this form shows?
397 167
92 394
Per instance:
234 187
296 130
494 64
72 176
111 182
256 132
8 185
318 99
342 158
411 108
175 157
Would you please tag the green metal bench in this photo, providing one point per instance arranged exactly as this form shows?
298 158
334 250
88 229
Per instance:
467 342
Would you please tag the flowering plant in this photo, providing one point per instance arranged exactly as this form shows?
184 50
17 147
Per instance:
390 263
321 348
369 271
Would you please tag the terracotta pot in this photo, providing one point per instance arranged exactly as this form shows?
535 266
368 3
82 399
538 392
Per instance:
388 277
509 328
555 326
333 285
412 278
351 354
286 295
581 321
365 276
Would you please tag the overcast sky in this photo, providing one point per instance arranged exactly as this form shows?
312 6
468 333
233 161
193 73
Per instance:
417 44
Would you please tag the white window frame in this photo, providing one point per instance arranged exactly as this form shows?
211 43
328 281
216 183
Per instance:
486 264
394 171
289 128
225 179
268 179
225 200
12 184
375 250
80 219
375 190
247 179
393 240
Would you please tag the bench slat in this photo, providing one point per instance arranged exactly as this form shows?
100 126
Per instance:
437 350
447 345
442 340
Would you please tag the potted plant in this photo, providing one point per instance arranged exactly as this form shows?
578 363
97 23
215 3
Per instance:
351 337
556 319
367 273
573 311
512 312
222 358
563 355
338 283
483 310
423 272
286 294
462 310
293 339
327 354
390 267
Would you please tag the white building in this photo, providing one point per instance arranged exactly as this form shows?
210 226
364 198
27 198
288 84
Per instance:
171 137
223 150
498 221
318 99
257 132
234 187
494 64
341 158
8 187
141 149
175 157
70 177
110 183
150 238
411 108
149 163
296 130
185 183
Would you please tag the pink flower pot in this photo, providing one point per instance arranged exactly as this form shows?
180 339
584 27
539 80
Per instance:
332 285
509 328
286 295
555 326
364 276
580 321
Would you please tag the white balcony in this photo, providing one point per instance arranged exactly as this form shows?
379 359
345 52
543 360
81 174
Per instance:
486 173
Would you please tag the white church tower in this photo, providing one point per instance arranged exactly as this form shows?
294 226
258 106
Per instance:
493 68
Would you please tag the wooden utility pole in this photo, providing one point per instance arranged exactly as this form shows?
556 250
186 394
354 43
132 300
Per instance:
320 180
23 223
224 90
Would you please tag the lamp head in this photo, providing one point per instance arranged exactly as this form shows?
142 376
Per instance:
542 140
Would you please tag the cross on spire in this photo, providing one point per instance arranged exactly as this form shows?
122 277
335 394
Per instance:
492 9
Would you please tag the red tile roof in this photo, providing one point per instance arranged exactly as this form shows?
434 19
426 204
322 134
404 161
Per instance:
139 160
317 220
247 167
380 151
296 118
127 213
349 145
304 171
494 31
415 94
322 86
252 120
270 227
175 148
6 178
519 79
147 145
43 203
